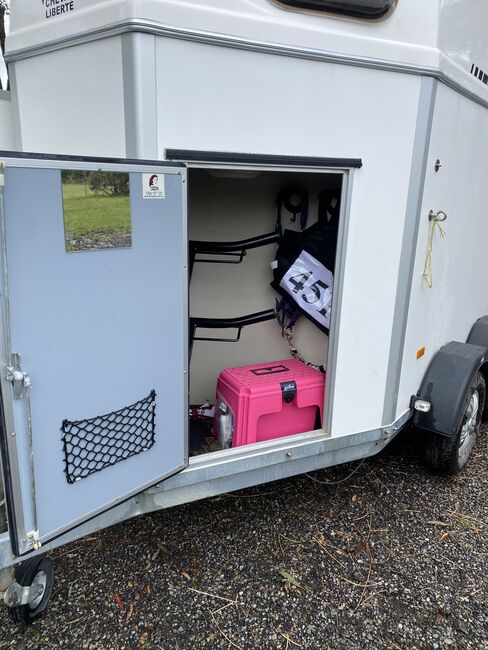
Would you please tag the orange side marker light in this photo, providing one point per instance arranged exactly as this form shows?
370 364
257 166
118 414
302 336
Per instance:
420 352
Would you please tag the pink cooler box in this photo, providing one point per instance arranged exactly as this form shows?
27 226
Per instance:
271 400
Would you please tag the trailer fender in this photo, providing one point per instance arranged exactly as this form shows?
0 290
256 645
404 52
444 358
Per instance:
445 386
479 332
479 336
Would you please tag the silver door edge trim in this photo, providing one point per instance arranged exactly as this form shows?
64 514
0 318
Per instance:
11 449
420 154
161 166
341 256
234 469
213 38
186 312
8 425
108 506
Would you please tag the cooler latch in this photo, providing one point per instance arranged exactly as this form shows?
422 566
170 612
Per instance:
289 390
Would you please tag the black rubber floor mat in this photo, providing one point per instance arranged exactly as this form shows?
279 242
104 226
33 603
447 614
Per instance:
199 430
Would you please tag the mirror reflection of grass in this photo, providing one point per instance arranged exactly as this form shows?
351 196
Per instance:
94 221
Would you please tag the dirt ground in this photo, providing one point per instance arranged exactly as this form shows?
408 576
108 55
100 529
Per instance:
394 557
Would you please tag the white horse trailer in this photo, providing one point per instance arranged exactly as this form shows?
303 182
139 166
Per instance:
208 109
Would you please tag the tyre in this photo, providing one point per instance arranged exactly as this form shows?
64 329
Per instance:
450 455
37 570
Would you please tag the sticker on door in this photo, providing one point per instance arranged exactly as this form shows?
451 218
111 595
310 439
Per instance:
153 186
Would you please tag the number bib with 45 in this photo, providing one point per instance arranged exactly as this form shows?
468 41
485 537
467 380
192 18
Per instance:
310 285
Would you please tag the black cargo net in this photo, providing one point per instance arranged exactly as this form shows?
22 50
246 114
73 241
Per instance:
91 445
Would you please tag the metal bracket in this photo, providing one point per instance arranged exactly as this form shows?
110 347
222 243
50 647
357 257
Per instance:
33 540
17 595
20 380
390 431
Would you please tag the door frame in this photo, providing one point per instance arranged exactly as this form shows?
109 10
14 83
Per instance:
344 167
22 540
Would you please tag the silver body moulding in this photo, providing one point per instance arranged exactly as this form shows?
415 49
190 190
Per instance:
210 38
230 470
428 93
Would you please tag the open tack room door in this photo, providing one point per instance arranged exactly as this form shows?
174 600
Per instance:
94 368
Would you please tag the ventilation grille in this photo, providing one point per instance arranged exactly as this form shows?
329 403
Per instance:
479 74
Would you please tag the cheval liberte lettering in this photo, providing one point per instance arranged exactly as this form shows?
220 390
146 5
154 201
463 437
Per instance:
58 7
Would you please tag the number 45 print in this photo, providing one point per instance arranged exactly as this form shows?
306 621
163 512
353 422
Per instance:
310 284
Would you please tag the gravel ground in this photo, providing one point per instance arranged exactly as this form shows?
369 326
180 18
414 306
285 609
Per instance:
392 558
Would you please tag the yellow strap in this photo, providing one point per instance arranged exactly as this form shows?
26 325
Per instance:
434 224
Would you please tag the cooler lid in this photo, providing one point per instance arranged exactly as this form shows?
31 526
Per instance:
258 376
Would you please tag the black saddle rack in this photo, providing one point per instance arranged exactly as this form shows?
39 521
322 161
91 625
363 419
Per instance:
237 323
228 252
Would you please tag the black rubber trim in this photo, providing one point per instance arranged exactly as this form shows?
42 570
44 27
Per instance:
363 10
7 481
87 159
445 386
190 155
479 332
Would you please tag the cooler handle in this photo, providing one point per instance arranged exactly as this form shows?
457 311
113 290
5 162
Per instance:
269 370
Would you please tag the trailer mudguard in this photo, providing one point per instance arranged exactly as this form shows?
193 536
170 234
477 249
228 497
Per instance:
445 385
479 332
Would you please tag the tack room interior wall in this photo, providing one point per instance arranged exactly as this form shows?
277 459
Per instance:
227 209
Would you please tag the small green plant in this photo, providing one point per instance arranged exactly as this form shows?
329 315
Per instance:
109 183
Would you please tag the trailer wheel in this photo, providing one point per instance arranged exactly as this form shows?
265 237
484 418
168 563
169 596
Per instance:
37 570
449 455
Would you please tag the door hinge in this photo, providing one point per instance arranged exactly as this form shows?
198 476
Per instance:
20 380
33 542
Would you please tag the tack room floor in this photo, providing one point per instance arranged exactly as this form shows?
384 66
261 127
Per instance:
392 558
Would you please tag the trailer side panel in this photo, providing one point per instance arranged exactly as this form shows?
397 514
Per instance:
458 296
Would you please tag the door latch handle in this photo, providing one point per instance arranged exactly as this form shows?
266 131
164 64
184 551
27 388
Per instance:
21 381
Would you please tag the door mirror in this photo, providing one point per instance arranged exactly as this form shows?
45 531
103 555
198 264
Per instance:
97 212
